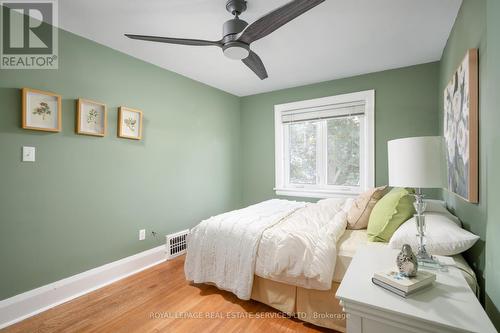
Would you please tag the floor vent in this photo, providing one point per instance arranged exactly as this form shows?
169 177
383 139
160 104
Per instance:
176 244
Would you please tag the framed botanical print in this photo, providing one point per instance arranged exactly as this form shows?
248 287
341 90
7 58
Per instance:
90 118
461 127
41 110
129 123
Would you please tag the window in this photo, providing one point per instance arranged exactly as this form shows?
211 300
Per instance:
325 146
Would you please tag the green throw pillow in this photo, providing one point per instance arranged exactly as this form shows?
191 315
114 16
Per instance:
389 213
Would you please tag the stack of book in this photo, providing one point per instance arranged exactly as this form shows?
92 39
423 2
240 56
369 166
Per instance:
402 285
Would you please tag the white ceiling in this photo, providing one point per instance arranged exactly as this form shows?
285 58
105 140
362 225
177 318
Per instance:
338 38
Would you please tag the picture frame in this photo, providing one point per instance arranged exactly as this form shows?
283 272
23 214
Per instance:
91 118
129 123
461 129
41 110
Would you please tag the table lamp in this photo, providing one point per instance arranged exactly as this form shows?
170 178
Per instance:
418 163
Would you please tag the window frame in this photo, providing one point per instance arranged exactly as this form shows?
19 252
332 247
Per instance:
367 149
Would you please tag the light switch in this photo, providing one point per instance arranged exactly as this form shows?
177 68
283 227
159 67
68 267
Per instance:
28 154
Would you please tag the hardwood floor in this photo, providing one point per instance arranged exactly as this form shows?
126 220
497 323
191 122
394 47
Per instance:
151 300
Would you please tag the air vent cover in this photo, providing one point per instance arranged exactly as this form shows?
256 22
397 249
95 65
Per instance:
176 244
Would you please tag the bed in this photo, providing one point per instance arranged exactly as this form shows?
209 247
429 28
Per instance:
289 255
320 307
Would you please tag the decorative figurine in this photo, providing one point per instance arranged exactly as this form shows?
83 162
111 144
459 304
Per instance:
407 262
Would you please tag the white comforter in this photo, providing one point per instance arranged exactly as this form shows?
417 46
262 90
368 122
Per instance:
288 241
222 250
301 250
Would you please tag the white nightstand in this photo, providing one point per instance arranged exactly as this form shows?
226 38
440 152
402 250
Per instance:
448 306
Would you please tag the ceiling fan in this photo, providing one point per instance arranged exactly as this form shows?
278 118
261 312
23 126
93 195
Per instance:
238 35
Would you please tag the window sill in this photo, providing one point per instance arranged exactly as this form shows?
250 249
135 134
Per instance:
309 193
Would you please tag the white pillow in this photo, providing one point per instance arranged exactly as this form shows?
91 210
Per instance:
439 206
443 236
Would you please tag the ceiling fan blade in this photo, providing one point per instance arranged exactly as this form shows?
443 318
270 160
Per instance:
275 19
254 62
182 41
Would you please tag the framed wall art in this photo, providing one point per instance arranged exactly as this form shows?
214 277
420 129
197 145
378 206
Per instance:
129 123
90 118
41 110
461 127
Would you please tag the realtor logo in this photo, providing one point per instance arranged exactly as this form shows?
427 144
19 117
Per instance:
29 39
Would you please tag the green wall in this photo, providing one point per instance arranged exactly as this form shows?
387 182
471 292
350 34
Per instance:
477 26
405 101
83 202
468 32
492 144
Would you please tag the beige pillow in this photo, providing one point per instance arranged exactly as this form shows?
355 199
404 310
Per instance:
359 213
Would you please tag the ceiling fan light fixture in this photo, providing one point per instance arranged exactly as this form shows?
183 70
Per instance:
236 51
238 35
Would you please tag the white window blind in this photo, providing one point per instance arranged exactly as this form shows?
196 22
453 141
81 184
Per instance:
323 112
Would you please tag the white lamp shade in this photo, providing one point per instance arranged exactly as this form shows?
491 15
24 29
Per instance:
416 162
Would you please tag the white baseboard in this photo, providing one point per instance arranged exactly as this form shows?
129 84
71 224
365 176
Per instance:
30 303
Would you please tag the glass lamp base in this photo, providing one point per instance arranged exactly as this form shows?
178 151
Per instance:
424 259
429 262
